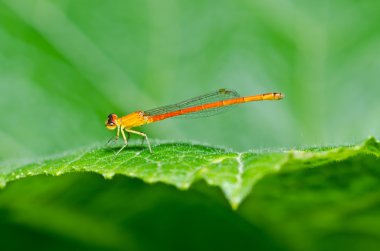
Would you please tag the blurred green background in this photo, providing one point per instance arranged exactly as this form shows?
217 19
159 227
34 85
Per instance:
65 65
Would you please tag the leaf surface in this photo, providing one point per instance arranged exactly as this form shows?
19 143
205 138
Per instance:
182 164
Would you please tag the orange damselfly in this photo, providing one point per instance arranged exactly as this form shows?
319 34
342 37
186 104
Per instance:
205 105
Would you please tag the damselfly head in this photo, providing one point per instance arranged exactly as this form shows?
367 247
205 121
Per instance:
111 122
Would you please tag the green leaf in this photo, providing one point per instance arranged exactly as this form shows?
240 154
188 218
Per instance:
182 164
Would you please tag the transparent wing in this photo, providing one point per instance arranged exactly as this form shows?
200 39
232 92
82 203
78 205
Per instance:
221 94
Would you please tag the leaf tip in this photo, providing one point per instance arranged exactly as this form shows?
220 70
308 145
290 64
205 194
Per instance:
58 173
108 175
184 186
235 203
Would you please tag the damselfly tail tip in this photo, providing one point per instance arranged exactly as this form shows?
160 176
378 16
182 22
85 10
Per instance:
279 96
